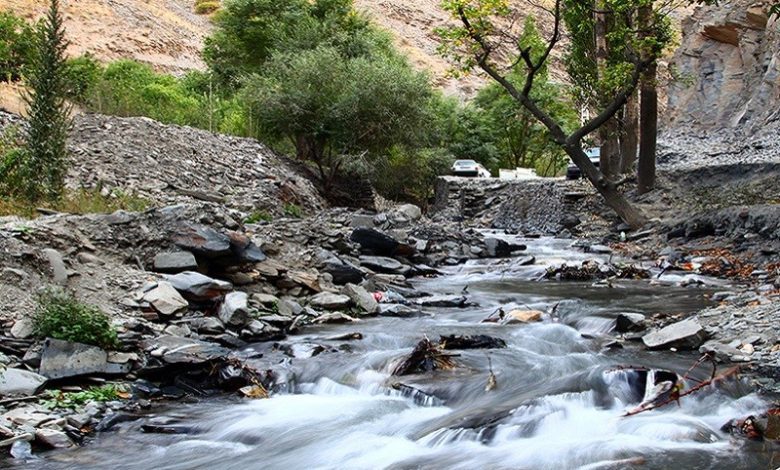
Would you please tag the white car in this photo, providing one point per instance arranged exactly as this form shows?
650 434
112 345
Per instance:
469 168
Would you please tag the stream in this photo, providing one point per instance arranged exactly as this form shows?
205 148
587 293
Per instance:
557 405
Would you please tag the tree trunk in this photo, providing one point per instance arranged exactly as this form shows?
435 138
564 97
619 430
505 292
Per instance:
648 113
630 135
612 197
607 132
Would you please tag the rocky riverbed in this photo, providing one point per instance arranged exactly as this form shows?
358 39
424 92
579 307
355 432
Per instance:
211 299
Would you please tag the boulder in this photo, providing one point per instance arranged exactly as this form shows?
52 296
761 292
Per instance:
471 342
207 325
329 301
23 329
244 249
165 299
686 334
20 382
522 316
175 262
234 310
53 438
344 272
288 307
198 287
628 322
443 301
409 211
384 265
375 242
178 350
63 359
59 272
203 241
361 297
497 248
266 300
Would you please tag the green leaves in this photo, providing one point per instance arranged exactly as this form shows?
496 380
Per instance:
72 400
16 46
59 315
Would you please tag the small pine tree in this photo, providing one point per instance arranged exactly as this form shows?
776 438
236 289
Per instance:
40 173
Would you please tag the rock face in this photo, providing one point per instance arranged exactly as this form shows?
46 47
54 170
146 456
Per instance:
729 68
687 334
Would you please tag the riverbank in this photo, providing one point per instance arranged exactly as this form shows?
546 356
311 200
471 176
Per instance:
227 264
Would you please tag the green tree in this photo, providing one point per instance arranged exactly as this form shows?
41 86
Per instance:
16 46
521 139
38 172
329 107
479 41
248 32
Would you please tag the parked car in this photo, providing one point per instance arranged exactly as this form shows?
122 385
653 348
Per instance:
469 168
573 171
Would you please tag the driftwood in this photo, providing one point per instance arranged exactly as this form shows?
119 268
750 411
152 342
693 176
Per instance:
676 392
425 357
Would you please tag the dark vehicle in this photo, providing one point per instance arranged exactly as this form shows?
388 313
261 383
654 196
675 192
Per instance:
573 171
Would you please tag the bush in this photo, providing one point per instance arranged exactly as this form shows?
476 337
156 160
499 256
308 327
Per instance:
81 76
72 400
293 210
409 175
259 216
16 46
206 7
59 315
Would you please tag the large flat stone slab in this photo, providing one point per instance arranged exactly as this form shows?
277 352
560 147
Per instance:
686 334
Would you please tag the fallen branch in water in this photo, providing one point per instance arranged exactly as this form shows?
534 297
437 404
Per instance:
675 392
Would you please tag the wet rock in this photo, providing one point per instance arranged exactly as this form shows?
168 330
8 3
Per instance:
496 248
375 242
398 310
198 287
207 325
21 447
522 316
330 301
175 262
62 359
335 317
177 350
203 241
361 297
723 352
471 342
20 382
53 438
234 310
26 416
443 301
629 322
59 272
686 334
23 329
302 350
165 299
382 264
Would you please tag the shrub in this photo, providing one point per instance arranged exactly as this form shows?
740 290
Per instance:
81 76
16 46
293 210
206 7
409 175
259 216
59 315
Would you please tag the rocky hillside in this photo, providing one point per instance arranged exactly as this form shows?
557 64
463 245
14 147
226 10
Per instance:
172 164
728 68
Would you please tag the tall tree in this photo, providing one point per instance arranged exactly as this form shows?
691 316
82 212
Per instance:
648 115
629 134
478 41
39 172
608 132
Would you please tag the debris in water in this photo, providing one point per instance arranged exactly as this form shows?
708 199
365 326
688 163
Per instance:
425 357
254 391
593 270
491 382
471 342
668 389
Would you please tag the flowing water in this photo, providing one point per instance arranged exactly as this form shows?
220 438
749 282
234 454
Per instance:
557 405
